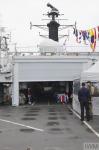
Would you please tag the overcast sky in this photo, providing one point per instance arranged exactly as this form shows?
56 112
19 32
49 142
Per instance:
17 14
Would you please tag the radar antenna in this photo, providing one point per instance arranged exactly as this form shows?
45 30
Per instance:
53 26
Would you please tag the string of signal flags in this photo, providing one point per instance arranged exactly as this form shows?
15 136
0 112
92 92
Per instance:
87 36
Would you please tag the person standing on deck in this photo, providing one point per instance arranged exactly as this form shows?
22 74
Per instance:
89 86
83 97
29 96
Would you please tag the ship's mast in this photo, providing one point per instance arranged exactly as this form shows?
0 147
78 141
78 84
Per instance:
3 44
53 26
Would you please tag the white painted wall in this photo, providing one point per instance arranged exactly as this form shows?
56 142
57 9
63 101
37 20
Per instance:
15 85
49 68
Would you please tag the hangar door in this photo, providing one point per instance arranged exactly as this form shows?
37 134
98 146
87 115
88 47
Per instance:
48 71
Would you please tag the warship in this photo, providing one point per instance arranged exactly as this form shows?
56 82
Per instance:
47 69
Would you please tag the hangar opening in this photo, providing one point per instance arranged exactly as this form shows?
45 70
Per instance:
45 92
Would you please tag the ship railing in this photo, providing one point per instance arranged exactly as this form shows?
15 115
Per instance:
35 53
71 50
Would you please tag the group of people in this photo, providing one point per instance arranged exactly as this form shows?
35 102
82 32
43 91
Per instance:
64 98
85 99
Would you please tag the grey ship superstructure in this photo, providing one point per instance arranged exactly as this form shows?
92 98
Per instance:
49 65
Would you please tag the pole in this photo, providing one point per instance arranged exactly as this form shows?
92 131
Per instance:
0 51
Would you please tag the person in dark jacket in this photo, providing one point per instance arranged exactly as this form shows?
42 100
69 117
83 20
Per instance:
84 96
